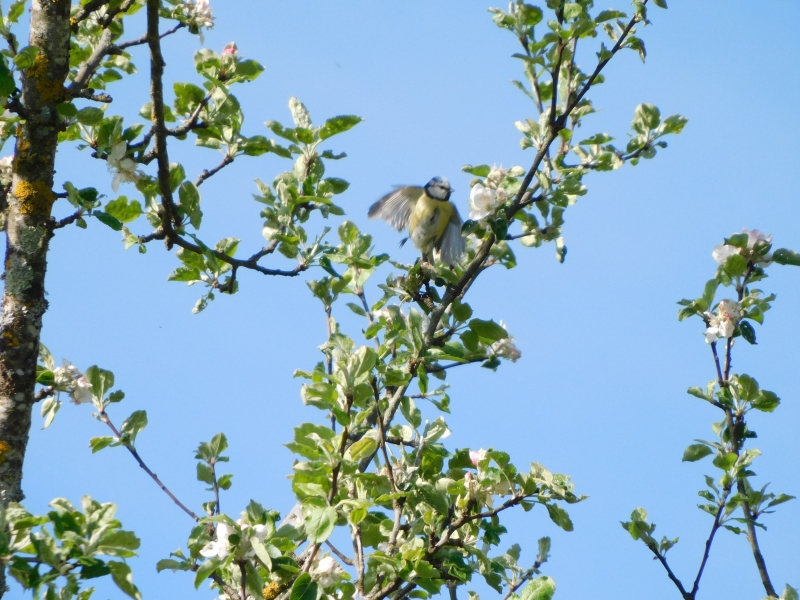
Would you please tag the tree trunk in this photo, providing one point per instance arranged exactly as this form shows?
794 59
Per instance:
28 234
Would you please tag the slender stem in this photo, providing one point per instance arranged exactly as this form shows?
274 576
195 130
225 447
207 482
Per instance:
714 527
344 558
210 173
216 487
334 482
104 418
243 585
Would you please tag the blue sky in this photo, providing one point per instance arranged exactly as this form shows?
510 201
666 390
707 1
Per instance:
600 390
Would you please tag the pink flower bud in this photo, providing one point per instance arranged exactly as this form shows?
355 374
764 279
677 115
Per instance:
230 50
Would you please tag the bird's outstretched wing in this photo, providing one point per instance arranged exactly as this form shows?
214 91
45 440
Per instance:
452 246
396 206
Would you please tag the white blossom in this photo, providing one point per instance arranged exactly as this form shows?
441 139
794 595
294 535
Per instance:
482 202
219 547
723 324
327 571
6 169
81 392
721 252
123 167
505 348
197 13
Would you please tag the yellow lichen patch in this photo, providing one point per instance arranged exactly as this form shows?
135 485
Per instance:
34 197
271 591
4 449
49 90
11 339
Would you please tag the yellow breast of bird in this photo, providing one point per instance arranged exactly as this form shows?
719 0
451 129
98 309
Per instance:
428 221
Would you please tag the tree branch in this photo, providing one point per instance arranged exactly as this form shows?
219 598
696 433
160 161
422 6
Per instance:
104 418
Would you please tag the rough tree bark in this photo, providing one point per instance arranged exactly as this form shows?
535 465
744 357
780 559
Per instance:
30 200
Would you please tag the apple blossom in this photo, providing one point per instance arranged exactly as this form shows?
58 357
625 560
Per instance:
723 324
327 571
482 202
81 392
477 456
230 50
219 547
123 167
6 171
505 348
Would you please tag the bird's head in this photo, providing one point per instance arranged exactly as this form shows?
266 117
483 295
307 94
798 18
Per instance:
438 188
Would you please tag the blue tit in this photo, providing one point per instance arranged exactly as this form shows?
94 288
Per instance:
433 221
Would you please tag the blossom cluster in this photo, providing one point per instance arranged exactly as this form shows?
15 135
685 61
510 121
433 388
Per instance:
196 14
68 378
221 547
723 323
756 243
485 198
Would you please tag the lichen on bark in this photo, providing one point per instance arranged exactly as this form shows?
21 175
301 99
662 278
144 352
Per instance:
29 203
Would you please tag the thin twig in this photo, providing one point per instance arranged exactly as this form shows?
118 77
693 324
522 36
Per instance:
104 418
342 557
143 40
210 173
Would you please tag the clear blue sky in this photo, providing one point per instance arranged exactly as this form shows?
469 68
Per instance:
600 390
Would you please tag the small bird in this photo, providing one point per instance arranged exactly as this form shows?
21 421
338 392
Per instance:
433 221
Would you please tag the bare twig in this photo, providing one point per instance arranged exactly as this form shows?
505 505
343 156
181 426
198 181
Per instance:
342 557
143 40
104 418
210 173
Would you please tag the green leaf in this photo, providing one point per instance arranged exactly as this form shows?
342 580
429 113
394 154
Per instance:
647 115
607 15
25 57
7 83
529 16
363 448
748 333
101 380
190 202
337 125
90 116
784 256
660 3
695 452
735 265
320 523
132 426
15 11
124 211
98 443
176 175
789 593
572 10
206 569
304 588
107 219
749 387
560 517
479 171
488 330
766 402
171 564
121 574
461 311
541 588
